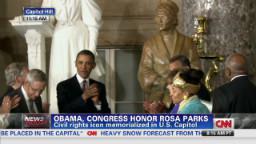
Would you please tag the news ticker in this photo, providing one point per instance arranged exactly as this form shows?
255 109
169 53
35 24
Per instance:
117 121
36 14
113 133
118 125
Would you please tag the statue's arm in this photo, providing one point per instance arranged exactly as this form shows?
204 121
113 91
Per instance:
92 17
147 76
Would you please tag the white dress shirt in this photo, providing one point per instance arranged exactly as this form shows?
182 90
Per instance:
237 77
28 101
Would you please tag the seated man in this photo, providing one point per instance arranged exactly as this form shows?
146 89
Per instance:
29 93
80 94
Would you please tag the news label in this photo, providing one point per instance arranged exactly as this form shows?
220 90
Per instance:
99 133
37 14
218 133
41 132
35 18
36 121
38 11
131 121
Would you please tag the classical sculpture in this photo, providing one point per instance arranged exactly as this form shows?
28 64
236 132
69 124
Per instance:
78 22
153 68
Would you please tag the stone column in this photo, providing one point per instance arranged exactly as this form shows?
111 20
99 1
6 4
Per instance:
36 50
36 54
231 27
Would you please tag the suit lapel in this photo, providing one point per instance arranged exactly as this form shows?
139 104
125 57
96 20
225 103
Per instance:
91 81
75 84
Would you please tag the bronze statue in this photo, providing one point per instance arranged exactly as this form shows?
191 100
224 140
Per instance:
153 68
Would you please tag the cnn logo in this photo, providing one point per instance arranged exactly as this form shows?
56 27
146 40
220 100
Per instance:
224 123
92 133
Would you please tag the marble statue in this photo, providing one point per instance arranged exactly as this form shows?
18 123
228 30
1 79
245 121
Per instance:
77 25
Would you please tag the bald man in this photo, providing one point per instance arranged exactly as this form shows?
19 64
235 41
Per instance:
239 94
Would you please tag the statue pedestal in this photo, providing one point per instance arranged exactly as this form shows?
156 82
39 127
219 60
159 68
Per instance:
34 33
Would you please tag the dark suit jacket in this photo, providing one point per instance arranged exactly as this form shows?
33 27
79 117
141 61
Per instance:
237 96
203 93
69 95
15 120
22 107
9 90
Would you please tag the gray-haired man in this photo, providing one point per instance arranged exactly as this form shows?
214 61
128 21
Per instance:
15 75
30 93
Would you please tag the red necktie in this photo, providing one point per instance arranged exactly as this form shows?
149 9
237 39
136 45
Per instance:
85 85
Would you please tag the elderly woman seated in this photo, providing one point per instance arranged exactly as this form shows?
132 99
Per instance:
183 89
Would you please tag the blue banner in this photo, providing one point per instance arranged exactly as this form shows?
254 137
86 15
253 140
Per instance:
131 121
38 11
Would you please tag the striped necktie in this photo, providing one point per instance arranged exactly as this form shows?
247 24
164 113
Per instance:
31 106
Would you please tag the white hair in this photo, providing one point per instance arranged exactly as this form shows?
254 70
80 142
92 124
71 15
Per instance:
36 75
12 71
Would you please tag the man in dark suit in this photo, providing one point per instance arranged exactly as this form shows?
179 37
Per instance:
80 94
238 95
29 93
26 99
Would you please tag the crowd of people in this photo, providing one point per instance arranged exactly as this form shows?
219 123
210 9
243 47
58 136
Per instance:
81 94
189 95
78 94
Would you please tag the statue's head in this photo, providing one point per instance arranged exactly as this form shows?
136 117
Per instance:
166 15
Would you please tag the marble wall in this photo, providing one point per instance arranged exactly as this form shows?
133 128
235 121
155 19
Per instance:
127 22
231 27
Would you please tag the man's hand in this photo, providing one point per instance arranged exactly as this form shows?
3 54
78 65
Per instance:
15 101
9 103
157 107
46 107
6 105
154 107
91 92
